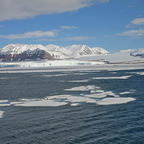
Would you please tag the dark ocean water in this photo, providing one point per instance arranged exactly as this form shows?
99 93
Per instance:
87 123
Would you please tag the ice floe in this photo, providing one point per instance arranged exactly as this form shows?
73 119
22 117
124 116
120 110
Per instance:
122 77
81 88
39 102
4 103
80 81
138 73
74 104
110 101
95 95
1 114
126 92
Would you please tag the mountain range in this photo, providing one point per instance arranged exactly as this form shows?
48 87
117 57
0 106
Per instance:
24 52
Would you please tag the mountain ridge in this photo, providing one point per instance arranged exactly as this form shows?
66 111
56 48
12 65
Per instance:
24 52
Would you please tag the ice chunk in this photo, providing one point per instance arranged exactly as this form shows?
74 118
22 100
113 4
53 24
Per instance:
4 103
138 73
80 81
74 104
81 88
41 103
110 101
126 92
122 77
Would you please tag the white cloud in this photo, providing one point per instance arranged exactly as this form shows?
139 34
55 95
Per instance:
47 40
22 9
79 38
68 27
133 33
33 34
136 22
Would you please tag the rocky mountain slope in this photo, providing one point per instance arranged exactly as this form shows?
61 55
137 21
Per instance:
20 52
138 53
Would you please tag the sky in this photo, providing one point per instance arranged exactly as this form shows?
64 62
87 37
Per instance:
111 24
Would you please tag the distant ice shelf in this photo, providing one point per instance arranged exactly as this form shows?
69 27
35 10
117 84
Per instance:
49 63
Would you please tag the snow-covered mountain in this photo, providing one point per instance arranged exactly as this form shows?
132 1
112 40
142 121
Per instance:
22 52
77 51
138 53
99 51
74 51
58 52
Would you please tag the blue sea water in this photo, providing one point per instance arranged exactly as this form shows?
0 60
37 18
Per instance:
87 123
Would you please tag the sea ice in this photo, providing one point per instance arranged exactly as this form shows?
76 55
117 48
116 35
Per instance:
40 103
110 101
1 114
4 103
102 94
138 73
123 77
126 92
81 88
80 81
74 104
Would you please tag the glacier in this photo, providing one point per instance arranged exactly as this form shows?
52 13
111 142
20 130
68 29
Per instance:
48 63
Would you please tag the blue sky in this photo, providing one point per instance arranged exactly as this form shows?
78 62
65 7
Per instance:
112 24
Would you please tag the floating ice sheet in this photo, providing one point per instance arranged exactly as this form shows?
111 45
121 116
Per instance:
126 92
80 81
4 103
82 88
39 103
122 77
138 73
96 95
110 101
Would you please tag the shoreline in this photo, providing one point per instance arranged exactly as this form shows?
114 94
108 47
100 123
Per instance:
109 67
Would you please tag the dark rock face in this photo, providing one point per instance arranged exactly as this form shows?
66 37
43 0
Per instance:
137 55
31 56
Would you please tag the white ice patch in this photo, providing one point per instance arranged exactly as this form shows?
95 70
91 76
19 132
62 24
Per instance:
4 103
126 92
96 95
138 73
80 81
122 77
110 101
74 104
102 94
81 88
1 114
40 103
55 75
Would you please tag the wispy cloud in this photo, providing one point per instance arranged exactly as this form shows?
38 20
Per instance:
136 22
79 38
33 34
47 40
132 33
22 9
68 27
